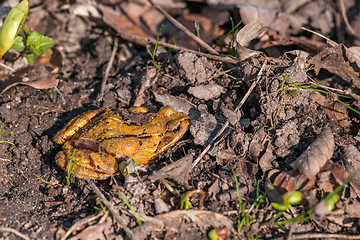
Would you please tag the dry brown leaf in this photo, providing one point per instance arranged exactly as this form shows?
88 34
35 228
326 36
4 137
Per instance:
257 143
209 22
353 209
254 29
338 113
135 19
267 158
176 220
288 181
340 61
352 165
251 31
206 92
337 170
38 77
178 171
251 12
339 217
316 155
178 104
94 232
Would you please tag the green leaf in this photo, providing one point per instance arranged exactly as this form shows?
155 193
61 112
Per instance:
19 44
33 42
46 43
27 30
185 203
281 207
292 198
31 58
330 204
289 198
12 25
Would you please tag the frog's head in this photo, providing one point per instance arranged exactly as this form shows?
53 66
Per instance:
175 125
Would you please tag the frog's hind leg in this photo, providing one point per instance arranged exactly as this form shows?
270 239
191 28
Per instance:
74 125
87 164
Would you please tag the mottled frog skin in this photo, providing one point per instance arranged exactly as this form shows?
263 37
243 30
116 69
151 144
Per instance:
104 137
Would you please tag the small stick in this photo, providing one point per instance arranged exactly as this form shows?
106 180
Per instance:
324 236
80 223
183 28
107 71
347 24
328 40
138 39
111 208
6 229
7 67
226 124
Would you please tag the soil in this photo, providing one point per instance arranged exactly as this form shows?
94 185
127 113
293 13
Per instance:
274 127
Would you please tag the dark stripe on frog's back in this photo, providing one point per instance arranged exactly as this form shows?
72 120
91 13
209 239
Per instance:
125 136
95 121
142 136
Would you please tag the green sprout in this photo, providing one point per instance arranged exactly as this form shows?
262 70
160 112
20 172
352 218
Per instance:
12 25
232 31
294 88
246 218
139 222
1 129
98 202
330 201
153 53
185 202
55 185
35 45
71 167
288 198
218 233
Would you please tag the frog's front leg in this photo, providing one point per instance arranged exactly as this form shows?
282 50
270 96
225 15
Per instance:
86 163
74 125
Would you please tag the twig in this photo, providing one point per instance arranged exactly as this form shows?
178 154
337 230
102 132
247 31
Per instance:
7 67
78 224
328 40
111 208
346 21
107 71
138 39
226 124
6 229
183 28
324 235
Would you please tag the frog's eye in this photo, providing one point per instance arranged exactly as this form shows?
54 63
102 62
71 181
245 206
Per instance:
175 130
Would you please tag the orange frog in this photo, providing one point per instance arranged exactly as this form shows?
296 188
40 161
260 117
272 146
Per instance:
104 137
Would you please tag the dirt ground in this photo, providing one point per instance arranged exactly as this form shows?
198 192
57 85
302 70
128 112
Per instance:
272 103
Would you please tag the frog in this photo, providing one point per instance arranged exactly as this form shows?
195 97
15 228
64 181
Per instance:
97 141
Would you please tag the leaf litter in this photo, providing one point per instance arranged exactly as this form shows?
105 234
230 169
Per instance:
293 128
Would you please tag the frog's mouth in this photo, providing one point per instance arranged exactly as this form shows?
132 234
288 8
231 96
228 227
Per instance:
170 137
